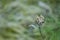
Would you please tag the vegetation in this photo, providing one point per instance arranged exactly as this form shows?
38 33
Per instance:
17 19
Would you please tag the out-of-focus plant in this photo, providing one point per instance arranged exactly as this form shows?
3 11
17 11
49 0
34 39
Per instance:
18 16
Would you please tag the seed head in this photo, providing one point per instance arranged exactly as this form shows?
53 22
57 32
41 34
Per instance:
40 20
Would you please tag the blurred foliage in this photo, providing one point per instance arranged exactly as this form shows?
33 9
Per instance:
16 17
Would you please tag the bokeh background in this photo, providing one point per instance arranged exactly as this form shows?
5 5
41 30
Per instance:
18 16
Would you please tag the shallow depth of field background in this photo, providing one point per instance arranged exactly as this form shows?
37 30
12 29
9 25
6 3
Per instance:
17 15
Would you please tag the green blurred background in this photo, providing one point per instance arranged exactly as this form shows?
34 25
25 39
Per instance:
17 15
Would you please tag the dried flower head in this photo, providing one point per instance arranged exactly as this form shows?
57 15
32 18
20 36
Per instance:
40 20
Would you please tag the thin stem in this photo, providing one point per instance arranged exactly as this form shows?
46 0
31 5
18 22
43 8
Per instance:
40 32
